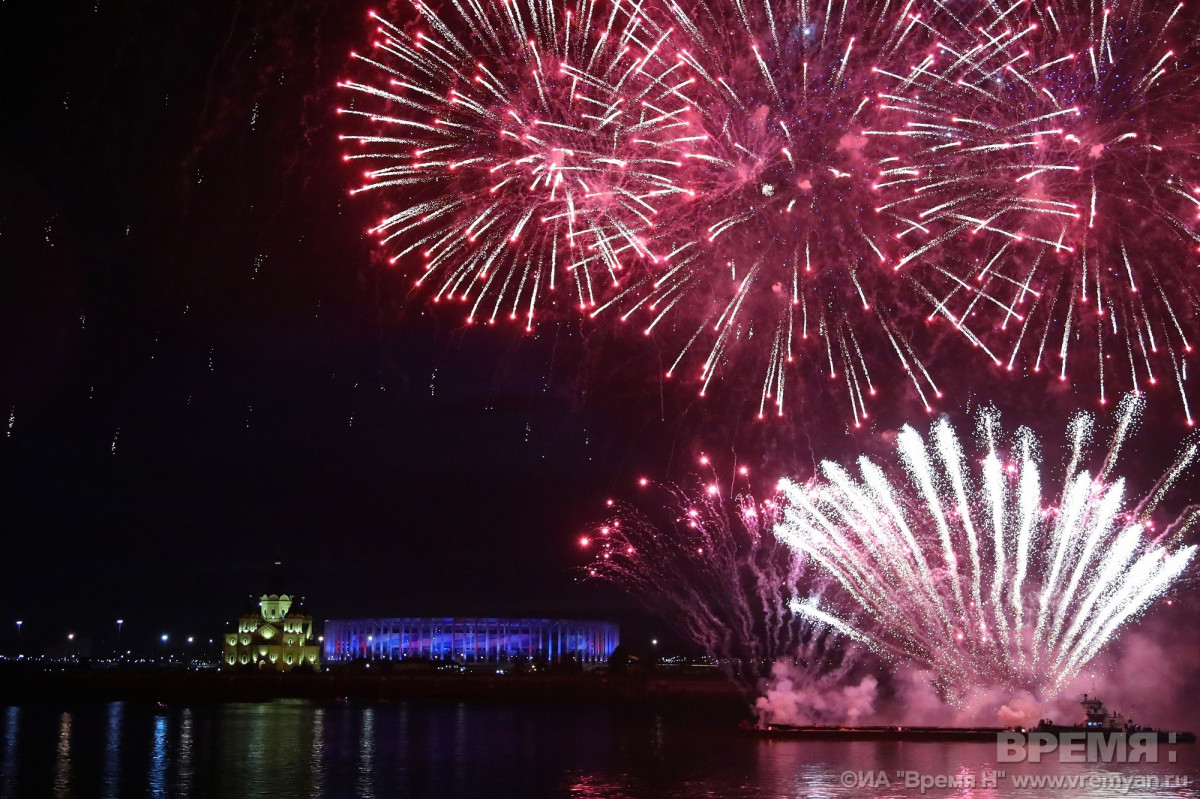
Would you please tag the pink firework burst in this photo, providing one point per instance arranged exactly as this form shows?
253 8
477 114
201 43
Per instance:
1059 178
712 568
515 147
782 264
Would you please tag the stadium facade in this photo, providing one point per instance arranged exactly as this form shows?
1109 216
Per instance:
471 640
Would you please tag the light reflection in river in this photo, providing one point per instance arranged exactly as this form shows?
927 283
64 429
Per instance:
183 779
303 750
316 760
112 751
366 755
158 758
8 771
62 757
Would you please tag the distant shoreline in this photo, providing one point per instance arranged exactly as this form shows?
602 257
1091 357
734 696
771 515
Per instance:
35 686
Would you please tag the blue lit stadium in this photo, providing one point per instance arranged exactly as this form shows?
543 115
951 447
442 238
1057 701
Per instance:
471 640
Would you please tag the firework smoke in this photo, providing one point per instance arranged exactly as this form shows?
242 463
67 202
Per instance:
964 569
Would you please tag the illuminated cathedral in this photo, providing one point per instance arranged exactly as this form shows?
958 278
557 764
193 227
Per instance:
275 633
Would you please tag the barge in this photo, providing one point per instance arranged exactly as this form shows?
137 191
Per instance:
1097 720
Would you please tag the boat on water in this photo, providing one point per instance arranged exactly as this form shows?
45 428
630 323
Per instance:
1097 719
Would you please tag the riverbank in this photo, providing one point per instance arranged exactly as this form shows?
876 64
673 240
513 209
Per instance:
22 685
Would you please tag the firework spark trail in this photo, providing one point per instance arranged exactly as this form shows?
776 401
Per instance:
1026 607
713 569
514 144
786 225
1061 178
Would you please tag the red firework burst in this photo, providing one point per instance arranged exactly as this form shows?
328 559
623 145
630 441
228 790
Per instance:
782 265
515 147
1059 175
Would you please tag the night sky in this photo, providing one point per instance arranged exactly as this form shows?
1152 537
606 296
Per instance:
203 368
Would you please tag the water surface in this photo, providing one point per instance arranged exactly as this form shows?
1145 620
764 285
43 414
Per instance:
415 749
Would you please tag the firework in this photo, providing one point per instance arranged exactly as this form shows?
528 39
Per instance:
704 169
1059 177
968 571
714 570
781 265
517 147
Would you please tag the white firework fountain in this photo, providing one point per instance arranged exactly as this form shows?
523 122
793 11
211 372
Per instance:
976 566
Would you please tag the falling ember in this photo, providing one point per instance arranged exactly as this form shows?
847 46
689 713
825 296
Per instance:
1045 572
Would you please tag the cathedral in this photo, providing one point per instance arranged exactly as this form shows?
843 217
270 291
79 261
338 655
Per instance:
275 633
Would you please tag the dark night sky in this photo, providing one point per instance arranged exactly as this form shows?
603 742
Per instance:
201 366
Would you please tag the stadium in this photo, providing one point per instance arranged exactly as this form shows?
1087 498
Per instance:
471 640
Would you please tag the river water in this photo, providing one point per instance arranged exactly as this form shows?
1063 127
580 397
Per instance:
414 749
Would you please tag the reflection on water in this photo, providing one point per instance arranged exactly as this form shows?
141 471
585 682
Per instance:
62 760
302 749
316 760
112 751
366 754
8 771
158 763
462 723
183 780
256 742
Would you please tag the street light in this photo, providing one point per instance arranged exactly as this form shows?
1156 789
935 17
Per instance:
19 623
